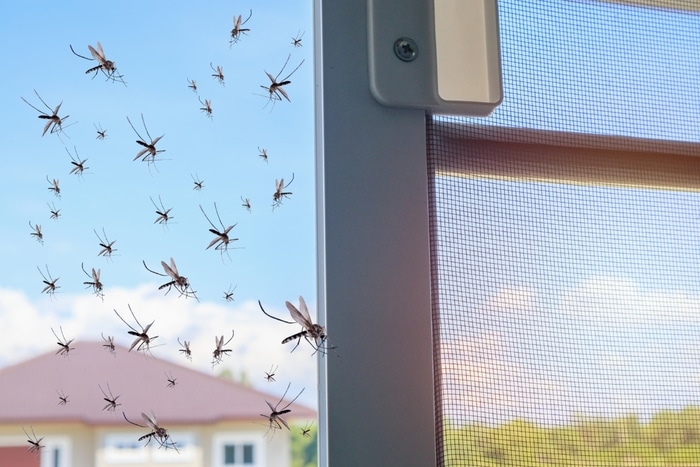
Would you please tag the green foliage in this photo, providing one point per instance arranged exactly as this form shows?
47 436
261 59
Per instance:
670 438
304 447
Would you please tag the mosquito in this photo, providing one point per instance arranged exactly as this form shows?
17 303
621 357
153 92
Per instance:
275 90
109 343
149 152
55 213
64 344
246 203
198 184
192 84
172 382
107 246
263 153
275 416
143 340
77 163
49 282
35 443
237 30
306 430
219 351
54 186
180 283
228 296
279 193
62 398
185 349
54 124
163 214
158 433
101 134
107 67
111 400
218 73
309 331
222 239
270 376
296 40
36 232
207 107
94 282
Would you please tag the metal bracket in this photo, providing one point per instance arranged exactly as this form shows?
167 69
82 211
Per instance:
439 55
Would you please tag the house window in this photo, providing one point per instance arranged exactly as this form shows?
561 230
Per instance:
124 448
56 452
245 448
239 454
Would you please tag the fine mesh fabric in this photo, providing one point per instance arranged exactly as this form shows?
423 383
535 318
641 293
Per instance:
565 243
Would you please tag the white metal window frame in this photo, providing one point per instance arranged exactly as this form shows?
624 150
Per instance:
137 453
376 402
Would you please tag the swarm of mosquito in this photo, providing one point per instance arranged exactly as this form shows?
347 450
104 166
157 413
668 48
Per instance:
149 152
36 232
270 375
185 349
101 134
156 432
206 108
314 334
109 344
246 203
63 343
220 351
296 40
34 443
107 67
77 163
55 213
280 193
178 282
274 418
49 282
62 398
143 340
263 154
222 239
228 295
54 122
54 186
198 184
275 89
218 73
172 381
192 84
94 282
111 399
163 214
238 30
107 247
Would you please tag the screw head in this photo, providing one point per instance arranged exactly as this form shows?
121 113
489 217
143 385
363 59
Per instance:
405 49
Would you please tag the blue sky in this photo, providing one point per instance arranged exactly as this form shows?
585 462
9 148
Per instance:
157 46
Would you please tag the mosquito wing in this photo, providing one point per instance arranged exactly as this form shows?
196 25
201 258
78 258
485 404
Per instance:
171 270
300 316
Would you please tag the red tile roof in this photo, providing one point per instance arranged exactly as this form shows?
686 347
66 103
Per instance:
28 390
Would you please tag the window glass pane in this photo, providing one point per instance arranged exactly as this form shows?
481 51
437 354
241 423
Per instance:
248 454
229 454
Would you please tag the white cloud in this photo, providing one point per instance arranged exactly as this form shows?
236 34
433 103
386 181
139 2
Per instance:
255 347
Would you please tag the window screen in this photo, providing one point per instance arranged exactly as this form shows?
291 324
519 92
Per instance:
564 243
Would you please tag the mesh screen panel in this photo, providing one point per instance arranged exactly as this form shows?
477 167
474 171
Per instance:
565 246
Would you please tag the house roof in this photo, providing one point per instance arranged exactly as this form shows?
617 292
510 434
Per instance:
29 391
